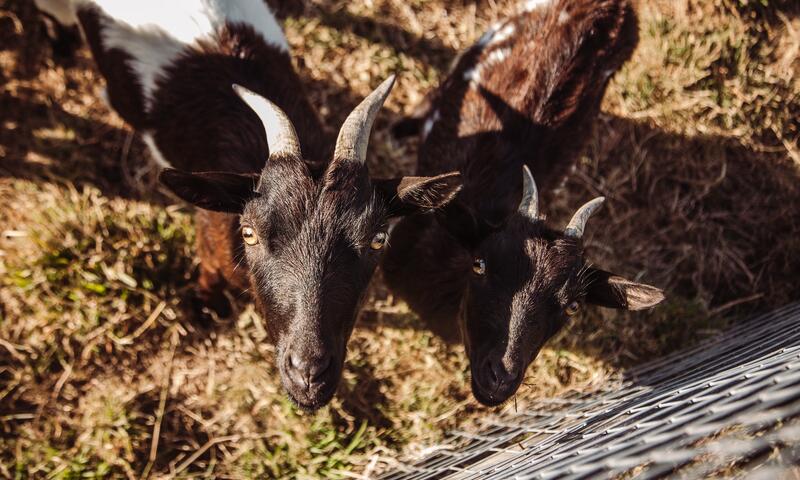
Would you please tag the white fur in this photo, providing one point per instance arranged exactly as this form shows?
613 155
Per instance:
428 126
155 32
531 5
504 34
147 138
473 75
61 10
563 17
496 57
487 37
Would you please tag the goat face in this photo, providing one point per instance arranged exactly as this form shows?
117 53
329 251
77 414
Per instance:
312 243
526 281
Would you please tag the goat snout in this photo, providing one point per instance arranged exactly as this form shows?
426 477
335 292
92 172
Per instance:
496 379
306 371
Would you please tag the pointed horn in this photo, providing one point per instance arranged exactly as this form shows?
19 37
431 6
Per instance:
529 206
281 136
354 135
578 223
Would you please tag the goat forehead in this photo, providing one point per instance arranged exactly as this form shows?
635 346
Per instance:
338 220
532 263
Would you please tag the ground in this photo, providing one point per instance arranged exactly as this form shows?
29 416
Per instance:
104 374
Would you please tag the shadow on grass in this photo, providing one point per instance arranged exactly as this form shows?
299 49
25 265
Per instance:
712 221
431 51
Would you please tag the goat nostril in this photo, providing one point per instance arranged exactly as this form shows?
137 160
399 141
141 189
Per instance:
495 379
498 374
309 370
320 367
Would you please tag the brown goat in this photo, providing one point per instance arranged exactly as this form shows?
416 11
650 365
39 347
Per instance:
522 99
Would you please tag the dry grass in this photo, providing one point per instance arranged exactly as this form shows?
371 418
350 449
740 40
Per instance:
102 373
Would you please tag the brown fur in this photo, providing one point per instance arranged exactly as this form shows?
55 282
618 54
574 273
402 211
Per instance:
548 91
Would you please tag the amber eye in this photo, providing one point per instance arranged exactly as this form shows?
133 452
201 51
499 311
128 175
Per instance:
249 235
378 241
572 308
479 266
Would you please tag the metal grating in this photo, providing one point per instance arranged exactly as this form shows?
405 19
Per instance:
725 405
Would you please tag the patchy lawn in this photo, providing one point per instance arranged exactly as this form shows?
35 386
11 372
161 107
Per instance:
104 374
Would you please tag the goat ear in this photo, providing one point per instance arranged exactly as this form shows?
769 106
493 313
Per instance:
216 191
612 291
409 195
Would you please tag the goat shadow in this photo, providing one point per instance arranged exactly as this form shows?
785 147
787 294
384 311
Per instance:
431 51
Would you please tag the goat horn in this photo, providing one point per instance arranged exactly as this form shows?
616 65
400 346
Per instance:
529 206
354 135
281 136
578 223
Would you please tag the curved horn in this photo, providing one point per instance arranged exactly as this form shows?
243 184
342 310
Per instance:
578 222
529 206
281 137
354 135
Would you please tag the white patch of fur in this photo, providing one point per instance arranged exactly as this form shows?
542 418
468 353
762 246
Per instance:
155 32
61 10
504 34
147 138
473 75
496 57
429 123
563 17
487 37
531 5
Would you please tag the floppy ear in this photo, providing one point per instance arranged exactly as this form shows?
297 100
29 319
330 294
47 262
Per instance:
409 195
217 191
612 291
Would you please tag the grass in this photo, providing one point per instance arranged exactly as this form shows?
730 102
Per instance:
104 375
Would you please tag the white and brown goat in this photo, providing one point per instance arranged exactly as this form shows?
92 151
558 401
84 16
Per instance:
522 99
298 213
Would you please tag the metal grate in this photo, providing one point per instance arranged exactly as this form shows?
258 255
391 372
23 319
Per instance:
725 404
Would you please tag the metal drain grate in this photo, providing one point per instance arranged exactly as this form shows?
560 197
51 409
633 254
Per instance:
723 406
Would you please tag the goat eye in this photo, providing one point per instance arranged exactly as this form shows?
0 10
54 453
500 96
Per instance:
249 235
479 266
378 241
572 308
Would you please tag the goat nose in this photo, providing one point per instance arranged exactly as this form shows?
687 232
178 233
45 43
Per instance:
499 374
308 369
